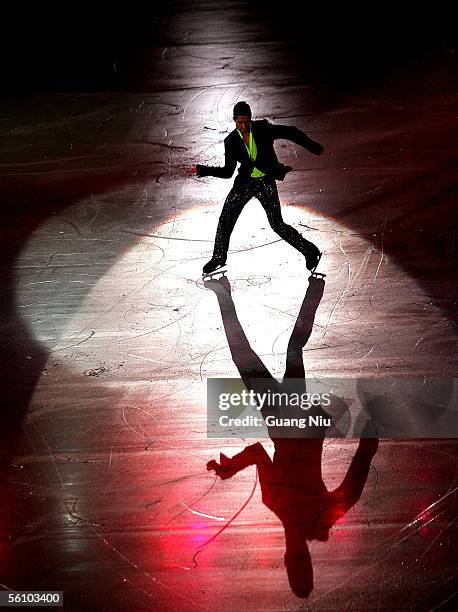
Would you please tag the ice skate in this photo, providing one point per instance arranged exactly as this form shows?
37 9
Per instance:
213 268
312 260
318 275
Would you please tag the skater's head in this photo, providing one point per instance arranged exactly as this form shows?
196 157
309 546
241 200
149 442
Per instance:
242 117
242 109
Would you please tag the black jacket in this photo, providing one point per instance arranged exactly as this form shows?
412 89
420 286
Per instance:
264 134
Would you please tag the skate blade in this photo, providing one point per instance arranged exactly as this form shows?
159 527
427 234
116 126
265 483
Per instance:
209 275
318 275
312 271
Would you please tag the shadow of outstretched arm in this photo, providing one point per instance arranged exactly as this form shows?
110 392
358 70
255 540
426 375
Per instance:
254 454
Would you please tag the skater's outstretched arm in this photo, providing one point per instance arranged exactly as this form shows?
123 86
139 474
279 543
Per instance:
295 135
303 329
225 171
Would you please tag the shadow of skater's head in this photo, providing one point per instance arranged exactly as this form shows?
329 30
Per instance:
299 569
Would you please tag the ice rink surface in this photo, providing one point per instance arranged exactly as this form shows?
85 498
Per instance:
109 333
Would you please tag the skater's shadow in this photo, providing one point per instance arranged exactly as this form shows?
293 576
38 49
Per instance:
292 485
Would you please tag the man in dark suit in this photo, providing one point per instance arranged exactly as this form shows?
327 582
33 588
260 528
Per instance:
251 144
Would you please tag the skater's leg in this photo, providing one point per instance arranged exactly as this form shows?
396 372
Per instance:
349 491
236 199
256 377
245 358
267 194
303 329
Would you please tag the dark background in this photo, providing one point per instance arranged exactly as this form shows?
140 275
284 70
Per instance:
84 48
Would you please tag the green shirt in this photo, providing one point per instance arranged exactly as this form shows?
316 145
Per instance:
252 154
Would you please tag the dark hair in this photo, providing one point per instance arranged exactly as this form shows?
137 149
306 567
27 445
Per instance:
242 108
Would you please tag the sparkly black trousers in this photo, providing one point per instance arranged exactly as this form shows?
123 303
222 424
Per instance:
265 190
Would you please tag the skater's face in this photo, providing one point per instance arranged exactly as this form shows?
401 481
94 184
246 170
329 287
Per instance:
242 123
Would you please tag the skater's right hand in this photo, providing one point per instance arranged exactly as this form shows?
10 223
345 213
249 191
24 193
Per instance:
213 465
193 169
221 471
